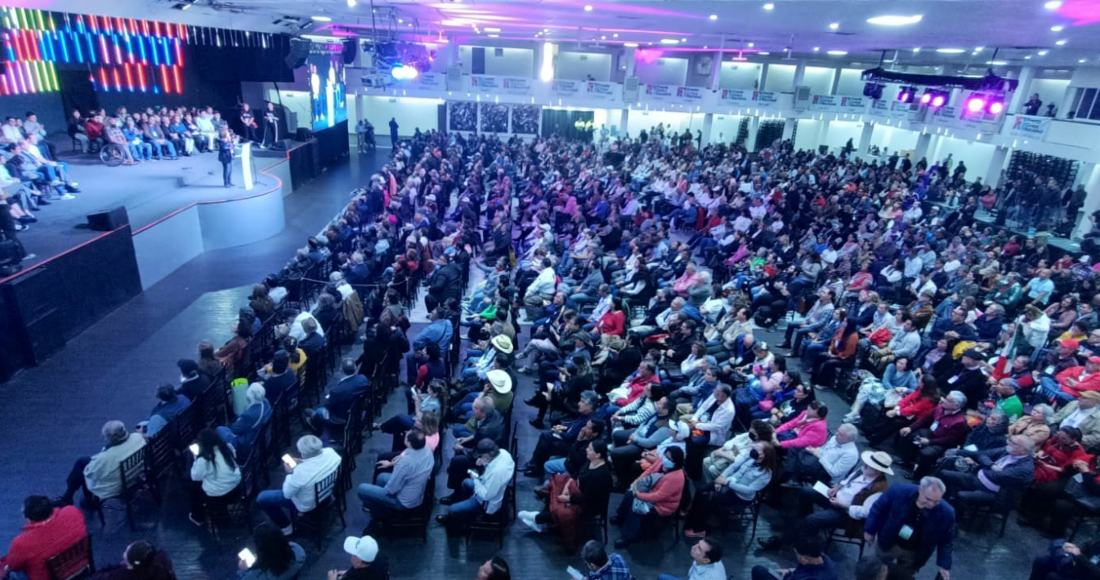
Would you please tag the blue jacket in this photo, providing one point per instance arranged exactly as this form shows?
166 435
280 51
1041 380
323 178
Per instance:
248 425
339 399
438 332
888 516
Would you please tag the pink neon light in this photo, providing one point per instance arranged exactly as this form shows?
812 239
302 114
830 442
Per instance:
129 77
141 77
179 84
179 53
103 78
4 86
164 75
103 49
118 79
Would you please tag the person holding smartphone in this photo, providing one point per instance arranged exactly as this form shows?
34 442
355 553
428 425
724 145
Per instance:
215 475
274 557
366 562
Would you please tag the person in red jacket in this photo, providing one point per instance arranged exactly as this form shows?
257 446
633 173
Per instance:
658 499
48 532
1059 457
933 435
1073 381
613 321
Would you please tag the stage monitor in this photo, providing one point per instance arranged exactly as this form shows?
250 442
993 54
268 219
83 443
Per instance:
327 94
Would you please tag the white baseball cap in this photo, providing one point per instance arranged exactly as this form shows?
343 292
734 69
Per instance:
365 548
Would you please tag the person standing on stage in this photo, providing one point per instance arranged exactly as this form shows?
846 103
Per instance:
271 127
393 133
226 145
248 123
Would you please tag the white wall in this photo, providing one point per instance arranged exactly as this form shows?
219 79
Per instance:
850 82
641 119
514 62
819 79
840 132
780 78
807 135
893 138
410 112
723 128
577 65
739 75
662 71
297 105
977 156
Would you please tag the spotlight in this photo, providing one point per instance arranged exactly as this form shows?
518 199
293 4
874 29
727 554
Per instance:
938 101
873 90
996 106
926 98
905 95
975 103
933 98
404 72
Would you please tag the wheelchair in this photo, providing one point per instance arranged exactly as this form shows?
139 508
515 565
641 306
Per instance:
112 155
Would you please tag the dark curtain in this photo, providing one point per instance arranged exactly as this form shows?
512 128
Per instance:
558 122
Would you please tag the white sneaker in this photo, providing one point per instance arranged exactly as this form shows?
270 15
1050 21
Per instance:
68 196
528 519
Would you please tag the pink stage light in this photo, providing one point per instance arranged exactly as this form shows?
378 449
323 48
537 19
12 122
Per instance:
975 104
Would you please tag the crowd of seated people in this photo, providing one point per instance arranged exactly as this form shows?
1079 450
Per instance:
31 176
638 285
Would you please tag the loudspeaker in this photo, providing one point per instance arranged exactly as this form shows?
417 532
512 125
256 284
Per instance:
299 50
801 98
108 219
34 321
303 134
350 46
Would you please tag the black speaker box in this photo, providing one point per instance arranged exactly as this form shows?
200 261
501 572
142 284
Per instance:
29 297
350 46
299 50
108 219
45 335
304 134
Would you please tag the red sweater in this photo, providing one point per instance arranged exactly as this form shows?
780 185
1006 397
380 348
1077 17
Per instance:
915 406
612 323
41 541
1052 460
808 434
665 495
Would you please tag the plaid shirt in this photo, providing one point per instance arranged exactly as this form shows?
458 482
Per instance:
615 569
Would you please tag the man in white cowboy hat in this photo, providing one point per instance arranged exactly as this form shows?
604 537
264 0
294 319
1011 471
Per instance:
475 371
498 387
366 564
851 498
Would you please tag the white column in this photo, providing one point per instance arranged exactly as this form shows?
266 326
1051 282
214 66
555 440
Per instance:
627 60
996 165
799 74
715 70
921 150
754 127
708 124
836 81
1092 200
1023 90
623 119
865 138
822 134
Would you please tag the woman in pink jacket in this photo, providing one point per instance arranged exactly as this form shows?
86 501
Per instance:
808 429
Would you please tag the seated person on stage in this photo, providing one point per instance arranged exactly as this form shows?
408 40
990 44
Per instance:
849 499
47 532
297 493
1000 475
828 463
243 432
403 489
480 493
99 475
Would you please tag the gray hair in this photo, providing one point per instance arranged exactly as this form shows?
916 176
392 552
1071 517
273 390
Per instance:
255 393
335 277
929 481
349 367
114 432
593 553
310 445
1000 310
592 398
1048 411
850 429
486 403
957 397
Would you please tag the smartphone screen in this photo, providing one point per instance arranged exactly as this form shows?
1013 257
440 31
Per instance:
247 557
289 461
194 449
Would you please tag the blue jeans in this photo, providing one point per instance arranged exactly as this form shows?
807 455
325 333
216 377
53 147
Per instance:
468 508
141 151
376 500
168 147
553 467
460 431
275 504
1048 387
632 524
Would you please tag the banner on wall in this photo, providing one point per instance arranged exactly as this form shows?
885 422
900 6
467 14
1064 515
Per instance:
1027 126
430 81
891 111
601 91
566 88
499 84
747 98
838 104
674 94
952 117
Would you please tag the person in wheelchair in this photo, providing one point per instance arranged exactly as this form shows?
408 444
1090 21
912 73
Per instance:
123 145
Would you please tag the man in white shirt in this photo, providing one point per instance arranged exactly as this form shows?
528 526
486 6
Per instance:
11 131
852 497
485 492
838 456
541 290
296 329
706 563
317 463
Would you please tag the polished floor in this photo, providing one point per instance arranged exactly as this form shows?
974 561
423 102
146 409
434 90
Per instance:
55 413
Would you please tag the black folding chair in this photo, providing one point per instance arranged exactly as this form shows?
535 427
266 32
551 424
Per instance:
318 520
74 563
135 477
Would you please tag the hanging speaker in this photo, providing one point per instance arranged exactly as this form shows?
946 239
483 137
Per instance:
299 50
350 47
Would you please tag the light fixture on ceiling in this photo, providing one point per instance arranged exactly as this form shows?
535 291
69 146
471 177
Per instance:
1060 42
817 49
588 8
975 103
763 53
321 18
895 20
1028 57
1043 52
400 20
603 37
950 50
837 52
751 44
1057 28
713 17
1053 5
979 49
916 50
494 36
352 3
630 44
997 62
616 35
669 41
683 40
834 26
769 6
491 29
1082 61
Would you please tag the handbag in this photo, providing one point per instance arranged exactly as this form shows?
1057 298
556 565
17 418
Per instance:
643 485
880 337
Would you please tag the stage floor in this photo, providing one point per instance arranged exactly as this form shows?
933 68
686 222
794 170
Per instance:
149 192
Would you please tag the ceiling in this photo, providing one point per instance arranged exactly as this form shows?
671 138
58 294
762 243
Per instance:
1018 28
